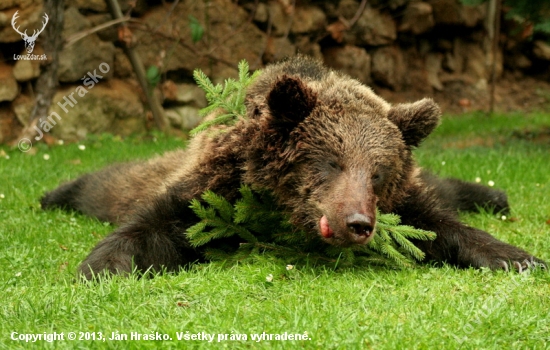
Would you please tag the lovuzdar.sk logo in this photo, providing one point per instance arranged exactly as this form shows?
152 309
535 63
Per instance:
29 40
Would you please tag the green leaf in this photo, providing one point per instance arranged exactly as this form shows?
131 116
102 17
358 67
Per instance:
197 30
153 75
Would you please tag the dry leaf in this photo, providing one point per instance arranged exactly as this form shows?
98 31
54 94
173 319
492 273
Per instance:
337 30
125 35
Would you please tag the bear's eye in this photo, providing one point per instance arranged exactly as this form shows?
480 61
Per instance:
334 165
377 177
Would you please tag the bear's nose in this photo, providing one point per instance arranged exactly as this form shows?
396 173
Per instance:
360 227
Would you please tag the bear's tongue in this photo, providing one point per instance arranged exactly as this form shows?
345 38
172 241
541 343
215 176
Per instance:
326 231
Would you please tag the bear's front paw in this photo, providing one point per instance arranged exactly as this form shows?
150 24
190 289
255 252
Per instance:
500 256
530 263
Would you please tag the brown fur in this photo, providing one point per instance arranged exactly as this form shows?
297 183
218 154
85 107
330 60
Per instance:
327 147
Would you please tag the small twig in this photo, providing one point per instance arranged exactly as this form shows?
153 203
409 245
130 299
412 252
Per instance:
357 14
80 35
154 104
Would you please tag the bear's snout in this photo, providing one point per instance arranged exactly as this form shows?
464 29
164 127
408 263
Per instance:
353 229
360 228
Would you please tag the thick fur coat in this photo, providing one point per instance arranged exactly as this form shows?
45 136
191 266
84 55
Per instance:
328 148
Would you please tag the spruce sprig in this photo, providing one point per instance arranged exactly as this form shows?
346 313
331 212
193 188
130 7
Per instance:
261 226
227 98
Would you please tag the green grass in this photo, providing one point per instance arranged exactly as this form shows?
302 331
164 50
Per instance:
419 308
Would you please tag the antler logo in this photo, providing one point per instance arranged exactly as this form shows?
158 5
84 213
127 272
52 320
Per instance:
29 40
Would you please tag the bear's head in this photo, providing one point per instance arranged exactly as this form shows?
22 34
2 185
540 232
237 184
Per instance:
332 153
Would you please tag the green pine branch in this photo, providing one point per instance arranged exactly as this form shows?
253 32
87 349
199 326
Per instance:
228 98
262 227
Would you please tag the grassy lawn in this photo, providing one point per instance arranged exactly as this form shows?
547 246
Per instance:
367 308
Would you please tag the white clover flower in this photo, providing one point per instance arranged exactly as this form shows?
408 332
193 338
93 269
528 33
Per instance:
81 147
7 156
478 179
269 278
2 196
46 156
60 142
18 274
289 267
503 217
443 163
491 183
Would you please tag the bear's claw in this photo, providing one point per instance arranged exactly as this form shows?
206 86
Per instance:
527 264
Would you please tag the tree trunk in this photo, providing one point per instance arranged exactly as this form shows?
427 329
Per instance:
46 83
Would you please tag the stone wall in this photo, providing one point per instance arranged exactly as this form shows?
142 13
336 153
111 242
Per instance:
395 45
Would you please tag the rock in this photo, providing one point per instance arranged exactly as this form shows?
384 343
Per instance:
433 67
8 125
306 47
351 60
541 50
30 17
25 70
189 94
452 12
518 61
478 64
184 117
450 62
112 106
416 77
417 18
392 4
473 15
388 67
86 54
261 14
307 19
374 28
94 5
277 49
122 65
277 18
22 107
8 85
232 38
346 9
6 4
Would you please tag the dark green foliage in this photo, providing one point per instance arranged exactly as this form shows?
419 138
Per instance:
153 75
229 98
197 30
536 12
262 227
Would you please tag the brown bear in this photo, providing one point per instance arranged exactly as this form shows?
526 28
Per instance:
330 151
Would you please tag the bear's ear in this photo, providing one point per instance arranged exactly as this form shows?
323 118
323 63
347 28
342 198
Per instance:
415 120
290 102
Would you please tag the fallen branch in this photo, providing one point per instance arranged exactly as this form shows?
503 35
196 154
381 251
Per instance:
81 35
